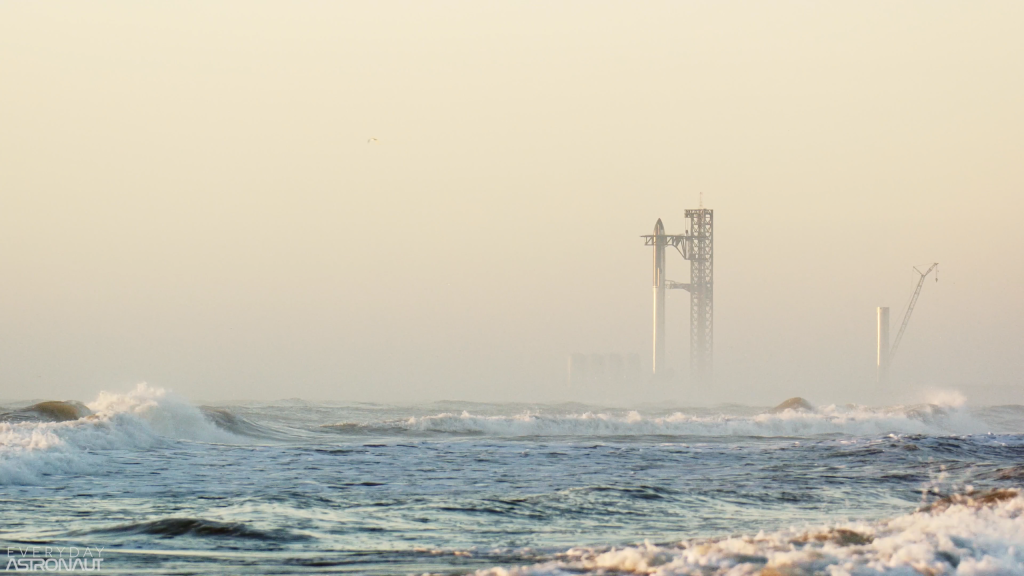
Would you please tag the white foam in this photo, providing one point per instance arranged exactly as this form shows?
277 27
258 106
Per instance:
854 420
162 412
962 539
141 418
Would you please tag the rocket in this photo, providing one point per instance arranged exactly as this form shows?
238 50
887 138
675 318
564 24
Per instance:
659 299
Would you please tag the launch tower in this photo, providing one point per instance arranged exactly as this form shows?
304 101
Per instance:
697 246
702 294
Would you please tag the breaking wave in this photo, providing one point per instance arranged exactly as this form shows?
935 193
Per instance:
851 420
964 534
66 437
54 442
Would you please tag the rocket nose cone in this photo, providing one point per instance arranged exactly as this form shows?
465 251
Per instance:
658 227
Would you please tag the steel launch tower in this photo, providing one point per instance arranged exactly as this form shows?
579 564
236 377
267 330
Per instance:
697 246
702 294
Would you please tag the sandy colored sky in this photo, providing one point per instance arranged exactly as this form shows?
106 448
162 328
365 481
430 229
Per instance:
188 196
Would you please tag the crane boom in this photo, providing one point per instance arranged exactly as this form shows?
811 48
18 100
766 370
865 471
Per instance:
910 308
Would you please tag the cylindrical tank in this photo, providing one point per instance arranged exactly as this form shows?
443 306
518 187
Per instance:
883 345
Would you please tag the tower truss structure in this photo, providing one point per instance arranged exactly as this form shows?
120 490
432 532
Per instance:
702 294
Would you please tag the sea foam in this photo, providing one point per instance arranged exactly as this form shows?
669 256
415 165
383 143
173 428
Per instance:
853 420
980 534
139 419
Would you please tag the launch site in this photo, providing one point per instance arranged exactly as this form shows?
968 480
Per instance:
512 288
595 372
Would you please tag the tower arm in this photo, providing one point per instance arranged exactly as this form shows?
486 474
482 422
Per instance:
681 242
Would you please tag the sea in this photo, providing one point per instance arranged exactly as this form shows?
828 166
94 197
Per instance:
147 482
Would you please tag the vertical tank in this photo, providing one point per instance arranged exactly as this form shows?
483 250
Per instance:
577 370
883 345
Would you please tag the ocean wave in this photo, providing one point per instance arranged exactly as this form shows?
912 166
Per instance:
52 411
852 420
195 527
981 533
235 424
55 443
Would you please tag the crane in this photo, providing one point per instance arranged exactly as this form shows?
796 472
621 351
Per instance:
910 307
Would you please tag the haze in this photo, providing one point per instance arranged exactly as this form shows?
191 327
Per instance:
189 195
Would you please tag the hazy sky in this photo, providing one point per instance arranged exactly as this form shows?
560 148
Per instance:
188 197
